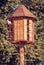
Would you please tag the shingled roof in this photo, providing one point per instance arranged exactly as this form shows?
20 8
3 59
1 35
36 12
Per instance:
21 11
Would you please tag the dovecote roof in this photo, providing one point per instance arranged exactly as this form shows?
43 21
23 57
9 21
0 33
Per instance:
21 11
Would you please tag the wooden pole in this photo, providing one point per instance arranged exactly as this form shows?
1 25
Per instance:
21 54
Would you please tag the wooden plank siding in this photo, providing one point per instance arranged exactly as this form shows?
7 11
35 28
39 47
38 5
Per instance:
18 30
23 30
31 31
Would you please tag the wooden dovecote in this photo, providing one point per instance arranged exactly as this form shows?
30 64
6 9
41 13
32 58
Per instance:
21 25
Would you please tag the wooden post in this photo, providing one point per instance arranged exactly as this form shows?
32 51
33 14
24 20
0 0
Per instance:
21 54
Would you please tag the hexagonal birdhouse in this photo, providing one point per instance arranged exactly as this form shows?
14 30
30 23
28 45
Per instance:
21 25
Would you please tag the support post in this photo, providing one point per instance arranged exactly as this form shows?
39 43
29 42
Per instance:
21 54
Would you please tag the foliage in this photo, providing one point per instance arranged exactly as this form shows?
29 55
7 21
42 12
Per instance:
6 48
